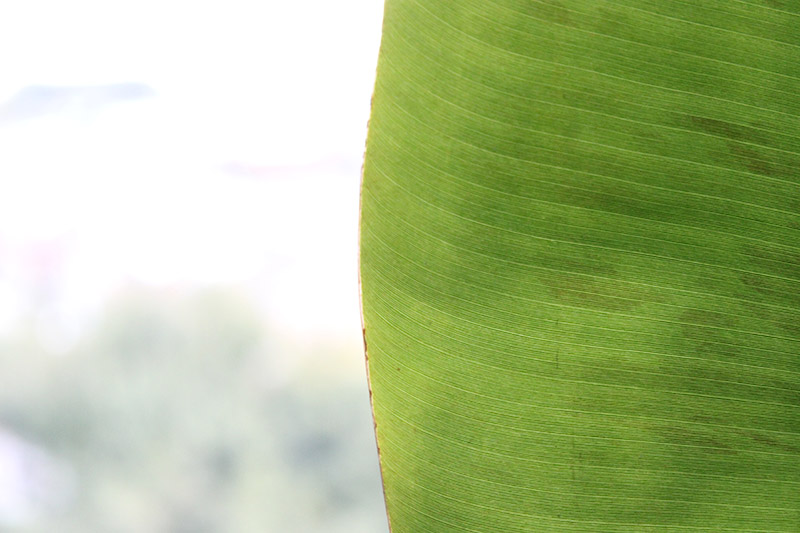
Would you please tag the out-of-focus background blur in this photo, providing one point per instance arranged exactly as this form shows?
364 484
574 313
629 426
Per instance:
180 343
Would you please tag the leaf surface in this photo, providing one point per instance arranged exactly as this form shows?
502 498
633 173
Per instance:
580 265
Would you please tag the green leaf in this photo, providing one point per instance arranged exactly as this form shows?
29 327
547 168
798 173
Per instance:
580 261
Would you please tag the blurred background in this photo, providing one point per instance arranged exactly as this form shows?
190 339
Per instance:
180 344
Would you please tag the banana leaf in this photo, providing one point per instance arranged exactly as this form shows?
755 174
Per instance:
580 265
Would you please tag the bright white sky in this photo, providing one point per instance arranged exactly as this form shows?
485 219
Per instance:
139 191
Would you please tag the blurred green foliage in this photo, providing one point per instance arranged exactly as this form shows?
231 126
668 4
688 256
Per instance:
181 412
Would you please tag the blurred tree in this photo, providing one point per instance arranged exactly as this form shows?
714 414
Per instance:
173 417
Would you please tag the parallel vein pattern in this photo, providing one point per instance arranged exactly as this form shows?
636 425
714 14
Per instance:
580 262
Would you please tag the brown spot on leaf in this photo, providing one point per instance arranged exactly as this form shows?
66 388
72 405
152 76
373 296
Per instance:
722 128
688 437
553 11
772 443
751 159
702 317
756 282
